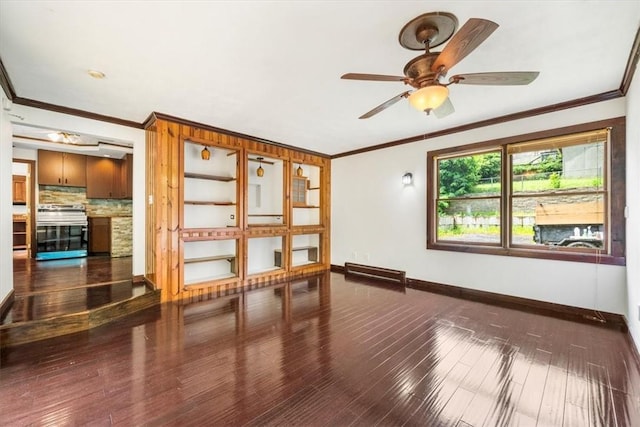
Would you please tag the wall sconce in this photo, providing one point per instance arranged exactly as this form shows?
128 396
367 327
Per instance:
407 178
260 171
299 171
205 154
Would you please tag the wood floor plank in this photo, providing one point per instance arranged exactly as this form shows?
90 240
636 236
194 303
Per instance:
327 351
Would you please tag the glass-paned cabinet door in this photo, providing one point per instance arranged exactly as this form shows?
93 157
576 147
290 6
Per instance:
305 249
210 186
264 254
265 189
305 194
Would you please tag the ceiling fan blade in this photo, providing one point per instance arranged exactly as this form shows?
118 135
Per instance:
385 105
444 109
509 78
465 41
374 77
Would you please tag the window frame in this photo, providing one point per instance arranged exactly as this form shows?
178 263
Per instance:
614 253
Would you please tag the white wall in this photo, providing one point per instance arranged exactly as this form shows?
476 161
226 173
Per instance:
633 202
378 221
49 119
6 203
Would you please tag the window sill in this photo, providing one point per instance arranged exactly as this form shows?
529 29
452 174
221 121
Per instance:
543 253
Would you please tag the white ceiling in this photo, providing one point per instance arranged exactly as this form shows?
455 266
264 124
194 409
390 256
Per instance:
271 69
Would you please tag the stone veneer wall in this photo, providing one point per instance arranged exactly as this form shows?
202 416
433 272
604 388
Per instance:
121 232
51 194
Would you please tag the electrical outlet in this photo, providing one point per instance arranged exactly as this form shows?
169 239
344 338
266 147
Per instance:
232 216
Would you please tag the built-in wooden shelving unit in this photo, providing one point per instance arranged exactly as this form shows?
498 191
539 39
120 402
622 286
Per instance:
224 223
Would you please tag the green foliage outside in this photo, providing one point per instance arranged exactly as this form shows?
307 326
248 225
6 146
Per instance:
540 185
517 230
458 176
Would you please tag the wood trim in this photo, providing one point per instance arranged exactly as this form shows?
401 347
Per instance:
633 346
632 63
617 197
609 320
75 112
5 82
6 304
606 96
161 116
380 273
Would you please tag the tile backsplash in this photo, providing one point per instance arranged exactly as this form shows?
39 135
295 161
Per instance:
51 194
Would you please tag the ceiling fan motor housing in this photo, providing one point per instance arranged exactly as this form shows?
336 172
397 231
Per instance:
418 70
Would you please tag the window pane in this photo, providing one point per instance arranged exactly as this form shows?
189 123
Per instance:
573 168
475 220
470 176
559 220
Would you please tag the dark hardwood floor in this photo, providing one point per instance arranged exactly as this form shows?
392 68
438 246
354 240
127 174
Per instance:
326 351
46 289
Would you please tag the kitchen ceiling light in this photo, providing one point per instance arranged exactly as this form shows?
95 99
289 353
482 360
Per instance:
65 137
428 98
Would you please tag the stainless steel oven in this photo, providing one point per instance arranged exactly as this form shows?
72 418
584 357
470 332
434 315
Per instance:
61 232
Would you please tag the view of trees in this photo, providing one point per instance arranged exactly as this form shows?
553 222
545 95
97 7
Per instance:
459 176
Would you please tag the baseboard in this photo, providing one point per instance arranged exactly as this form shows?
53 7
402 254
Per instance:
6 304
634 348
567 312
379 273
138 279
337 268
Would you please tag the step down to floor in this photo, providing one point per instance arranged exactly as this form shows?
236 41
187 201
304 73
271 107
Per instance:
47 314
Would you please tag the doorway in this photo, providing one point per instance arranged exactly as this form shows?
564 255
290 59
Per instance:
23 210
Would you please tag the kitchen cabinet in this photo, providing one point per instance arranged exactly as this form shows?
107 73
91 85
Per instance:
109 178
126 177
64 169
103 178
99 235
19 189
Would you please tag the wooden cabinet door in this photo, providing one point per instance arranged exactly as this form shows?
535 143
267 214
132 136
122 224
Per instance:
299 191
49 167
74 170
100 235
103 178
99 178
126 177
19 190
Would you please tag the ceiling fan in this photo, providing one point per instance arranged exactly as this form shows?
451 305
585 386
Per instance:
423 73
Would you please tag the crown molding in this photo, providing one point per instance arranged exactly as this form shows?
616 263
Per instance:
482 123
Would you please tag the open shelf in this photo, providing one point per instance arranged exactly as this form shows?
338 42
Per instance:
306 207
208 177
210 258
208 203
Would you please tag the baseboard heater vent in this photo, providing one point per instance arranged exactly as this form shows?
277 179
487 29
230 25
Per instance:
387 274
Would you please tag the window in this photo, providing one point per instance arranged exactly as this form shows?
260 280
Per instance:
556 195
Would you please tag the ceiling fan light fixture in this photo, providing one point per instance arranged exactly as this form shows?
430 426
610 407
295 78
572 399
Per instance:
429 97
